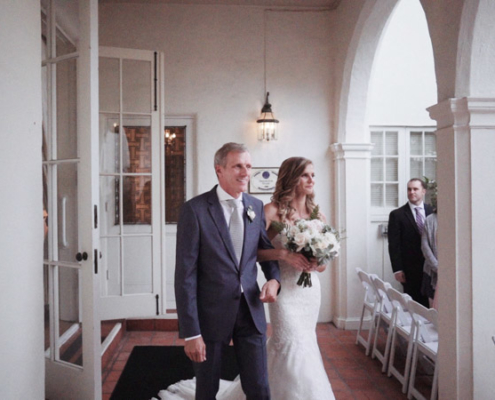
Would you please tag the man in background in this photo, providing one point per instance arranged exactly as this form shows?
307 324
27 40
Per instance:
405 226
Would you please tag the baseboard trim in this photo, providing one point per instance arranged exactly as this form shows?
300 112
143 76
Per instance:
351 324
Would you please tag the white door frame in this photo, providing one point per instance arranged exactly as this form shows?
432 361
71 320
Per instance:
64 380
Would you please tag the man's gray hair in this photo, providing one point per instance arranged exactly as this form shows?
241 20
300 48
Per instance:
221 154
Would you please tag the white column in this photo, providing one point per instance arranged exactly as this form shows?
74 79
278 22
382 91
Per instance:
22 360
466 237
352 205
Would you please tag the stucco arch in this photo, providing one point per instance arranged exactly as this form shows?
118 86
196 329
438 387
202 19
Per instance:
357 70
476 51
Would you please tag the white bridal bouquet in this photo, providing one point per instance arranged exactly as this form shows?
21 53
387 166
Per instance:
312 238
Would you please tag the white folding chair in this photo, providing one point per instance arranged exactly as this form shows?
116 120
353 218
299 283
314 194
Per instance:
426 344
370 304
384 319
402 326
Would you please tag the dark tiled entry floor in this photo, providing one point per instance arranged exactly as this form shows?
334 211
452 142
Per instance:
352 374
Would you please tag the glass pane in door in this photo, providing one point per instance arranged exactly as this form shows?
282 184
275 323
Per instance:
136 205
377 195
67 12
392 143
109 206
67 212
136 145
66 100
109 72
416 167
109 143
377 169
70 324
136 86
137 265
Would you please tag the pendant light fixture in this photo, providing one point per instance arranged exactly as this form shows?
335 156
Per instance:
267 124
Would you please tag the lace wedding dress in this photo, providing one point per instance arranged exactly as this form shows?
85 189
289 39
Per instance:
295 366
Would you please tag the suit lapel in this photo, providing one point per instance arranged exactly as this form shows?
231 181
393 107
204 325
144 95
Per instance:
216 213
249 227
410 216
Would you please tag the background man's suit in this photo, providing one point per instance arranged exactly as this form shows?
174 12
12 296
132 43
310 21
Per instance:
404 247
208 279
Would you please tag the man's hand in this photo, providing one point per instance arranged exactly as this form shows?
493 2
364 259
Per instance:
400 276
269 291
196 349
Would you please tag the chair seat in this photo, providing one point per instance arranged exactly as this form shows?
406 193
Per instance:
406 330
429 333
432 346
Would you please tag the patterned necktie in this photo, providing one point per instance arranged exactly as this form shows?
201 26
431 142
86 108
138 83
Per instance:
419 220
236 228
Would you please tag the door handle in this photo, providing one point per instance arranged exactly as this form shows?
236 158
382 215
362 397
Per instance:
83 256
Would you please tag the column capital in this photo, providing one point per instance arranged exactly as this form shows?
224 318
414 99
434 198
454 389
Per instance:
351 150
476 112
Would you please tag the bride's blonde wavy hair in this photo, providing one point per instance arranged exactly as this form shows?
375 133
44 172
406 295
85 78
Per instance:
288 178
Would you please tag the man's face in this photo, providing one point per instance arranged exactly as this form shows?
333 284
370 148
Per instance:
415 192
234 177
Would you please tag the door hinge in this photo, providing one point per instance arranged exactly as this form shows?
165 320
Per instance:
96 216
96 261
155 82
157 297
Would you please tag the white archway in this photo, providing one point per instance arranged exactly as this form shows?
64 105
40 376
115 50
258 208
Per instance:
351 155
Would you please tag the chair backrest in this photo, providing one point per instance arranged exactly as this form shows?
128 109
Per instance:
400 301
426 321
381 288
370 296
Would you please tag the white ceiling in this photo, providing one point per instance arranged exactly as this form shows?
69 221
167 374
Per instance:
264 3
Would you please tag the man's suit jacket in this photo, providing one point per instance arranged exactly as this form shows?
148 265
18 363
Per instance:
207 276
404 243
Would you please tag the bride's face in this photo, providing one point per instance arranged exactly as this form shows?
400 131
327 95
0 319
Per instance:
306 181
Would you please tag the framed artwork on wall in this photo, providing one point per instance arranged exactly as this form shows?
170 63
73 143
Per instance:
263 180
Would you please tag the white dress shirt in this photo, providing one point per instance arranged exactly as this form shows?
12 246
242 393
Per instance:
223 196
421 209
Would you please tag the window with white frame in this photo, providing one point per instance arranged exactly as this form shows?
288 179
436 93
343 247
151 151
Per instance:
399 154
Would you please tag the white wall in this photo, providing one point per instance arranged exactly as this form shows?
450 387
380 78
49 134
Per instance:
21 223
215 71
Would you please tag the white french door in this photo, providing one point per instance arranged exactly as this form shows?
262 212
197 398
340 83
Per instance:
72 328
130 140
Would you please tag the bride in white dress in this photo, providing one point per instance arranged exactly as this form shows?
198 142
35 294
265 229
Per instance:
295 366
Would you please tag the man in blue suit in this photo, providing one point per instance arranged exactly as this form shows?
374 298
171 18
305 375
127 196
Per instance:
218 298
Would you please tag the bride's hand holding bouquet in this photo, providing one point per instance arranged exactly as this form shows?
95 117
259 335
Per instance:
312 238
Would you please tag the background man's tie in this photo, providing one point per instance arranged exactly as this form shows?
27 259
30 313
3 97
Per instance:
236 227
419 220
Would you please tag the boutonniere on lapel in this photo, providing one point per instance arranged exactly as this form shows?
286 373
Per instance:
251 214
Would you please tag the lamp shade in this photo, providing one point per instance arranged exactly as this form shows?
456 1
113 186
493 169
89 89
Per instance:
267 124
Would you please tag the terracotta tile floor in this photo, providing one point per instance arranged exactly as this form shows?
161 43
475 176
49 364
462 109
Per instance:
352 374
